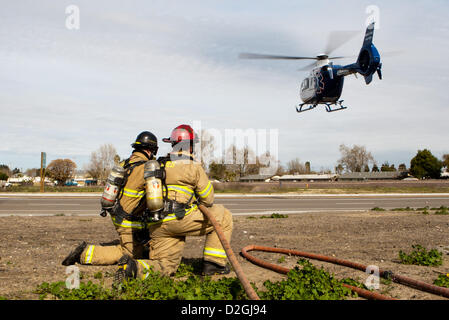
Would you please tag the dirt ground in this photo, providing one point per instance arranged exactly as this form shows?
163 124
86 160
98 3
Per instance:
32 248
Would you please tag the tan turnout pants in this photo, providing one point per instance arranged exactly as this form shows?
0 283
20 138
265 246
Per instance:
168 239
110 254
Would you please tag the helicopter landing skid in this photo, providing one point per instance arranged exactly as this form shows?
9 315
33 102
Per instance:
339 103
328 106
309 107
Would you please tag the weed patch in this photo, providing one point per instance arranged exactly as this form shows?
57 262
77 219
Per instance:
442 280
403 209
304 282
420 256
275 216
442 210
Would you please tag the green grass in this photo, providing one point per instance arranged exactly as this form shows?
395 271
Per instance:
272 216
403 209
443 210
275 216
260 188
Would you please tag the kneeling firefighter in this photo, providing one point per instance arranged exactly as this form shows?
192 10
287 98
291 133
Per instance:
124 199
185 184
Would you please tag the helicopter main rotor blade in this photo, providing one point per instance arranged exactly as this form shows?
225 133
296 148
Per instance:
307 67
343 57
338 38
270 56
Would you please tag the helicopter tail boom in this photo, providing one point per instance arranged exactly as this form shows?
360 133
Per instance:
368 61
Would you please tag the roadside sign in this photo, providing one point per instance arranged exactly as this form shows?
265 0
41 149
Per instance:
44 159
43 164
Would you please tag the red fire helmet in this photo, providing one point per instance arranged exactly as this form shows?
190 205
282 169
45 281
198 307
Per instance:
183 132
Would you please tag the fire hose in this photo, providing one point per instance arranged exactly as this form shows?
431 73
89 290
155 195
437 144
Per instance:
361 292
230 254
239 272
364 293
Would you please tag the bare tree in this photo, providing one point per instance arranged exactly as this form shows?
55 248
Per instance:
33 172
295 166
446 160
280 169
204 152
268 164
244 161
354 159
101 162
61 170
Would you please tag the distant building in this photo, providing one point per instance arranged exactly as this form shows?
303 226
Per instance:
83 179
308 177
360 176
47 181
19 181
255 178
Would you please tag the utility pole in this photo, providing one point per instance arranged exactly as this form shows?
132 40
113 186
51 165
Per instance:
43 164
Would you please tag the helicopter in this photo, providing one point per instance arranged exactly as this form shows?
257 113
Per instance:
324 84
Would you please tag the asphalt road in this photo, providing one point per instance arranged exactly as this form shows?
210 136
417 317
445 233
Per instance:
27 205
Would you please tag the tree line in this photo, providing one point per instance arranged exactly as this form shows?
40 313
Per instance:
61 170
240 162
423 165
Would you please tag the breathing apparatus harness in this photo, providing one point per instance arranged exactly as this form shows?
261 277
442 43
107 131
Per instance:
113 192
168 206
156 192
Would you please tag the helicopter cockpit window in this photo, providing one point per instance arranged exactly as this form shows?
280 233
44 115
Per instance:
312 83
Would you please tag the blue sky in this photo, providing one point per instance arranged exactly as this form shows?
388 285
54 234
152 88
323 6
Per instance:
151 65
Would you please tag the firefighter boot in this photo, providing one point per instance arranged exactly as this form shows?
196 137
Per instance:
75 255
127 269
210 269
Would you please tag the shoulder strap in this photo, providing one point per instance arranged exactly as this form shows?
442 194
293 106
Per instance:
129 167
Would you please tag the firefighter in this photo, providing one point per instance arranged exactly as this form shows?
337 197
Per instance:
186 184
127 213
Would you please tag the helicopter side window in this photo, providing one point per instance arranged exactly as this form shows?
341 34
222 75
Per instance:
306 83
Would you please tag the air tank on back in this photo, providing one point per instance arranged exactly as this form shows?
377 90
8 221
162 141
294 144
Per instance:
153 186
113 184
